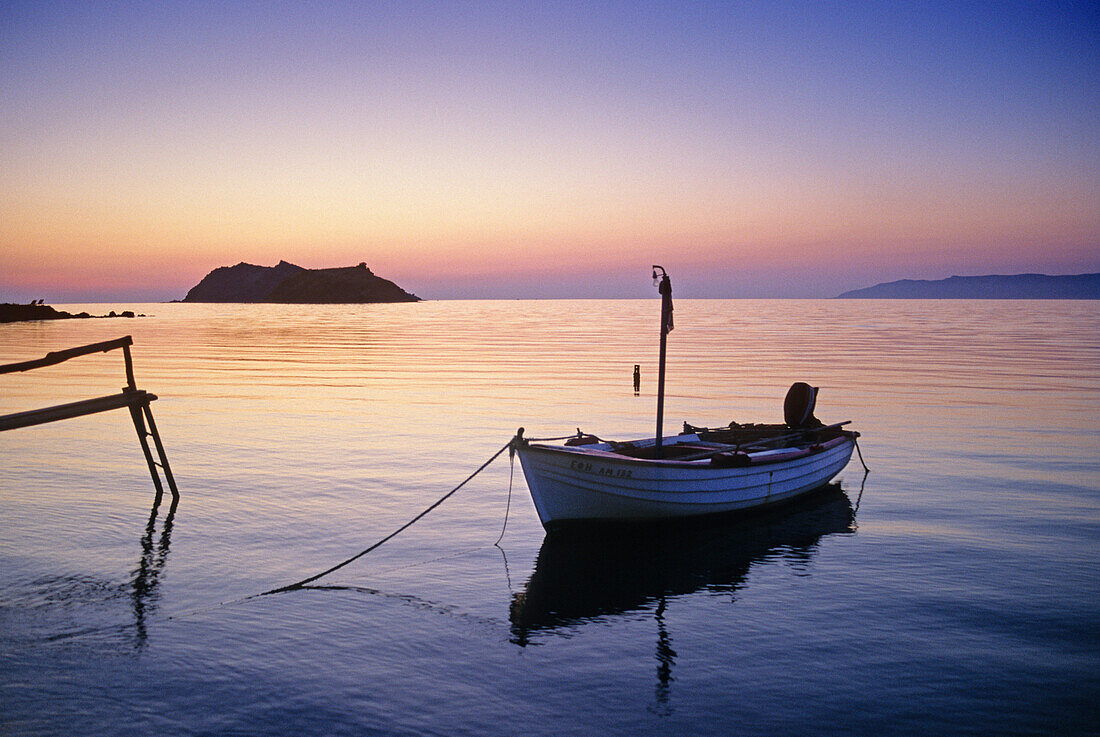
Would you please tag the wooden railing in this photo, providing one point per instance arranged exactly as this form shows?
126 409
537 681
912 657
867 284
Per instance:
137 400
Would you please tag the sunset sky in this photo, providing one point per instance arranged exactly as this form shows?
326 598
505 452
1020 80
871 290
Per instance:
754 149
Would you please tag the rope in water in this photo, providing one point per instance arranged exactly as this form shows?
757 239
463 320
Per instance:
395 533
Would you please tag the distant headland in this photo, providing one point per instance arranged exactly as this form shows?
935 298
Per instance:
286 283
1018 286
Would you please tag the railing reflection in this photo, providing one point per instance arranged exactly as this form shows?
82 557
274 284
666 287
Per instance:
146 577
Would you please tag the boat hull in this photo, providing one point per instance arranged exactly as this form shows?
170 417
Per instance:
573 484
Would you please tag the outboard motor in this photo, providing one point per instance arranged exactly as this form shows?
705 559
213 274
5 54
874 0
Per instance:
798 407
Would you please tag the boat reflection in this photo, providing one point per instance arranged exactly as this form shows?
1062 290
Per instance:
599 571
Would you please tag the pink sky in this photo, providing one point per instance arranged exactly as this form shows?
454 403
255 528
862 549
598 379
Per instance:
508 152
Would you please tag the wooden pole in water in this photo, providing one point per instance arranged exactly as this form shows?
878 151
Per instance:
664 286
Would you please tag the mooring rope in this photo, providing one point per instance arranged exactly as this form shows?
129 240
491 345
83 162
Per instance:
508 507
860 452
395 533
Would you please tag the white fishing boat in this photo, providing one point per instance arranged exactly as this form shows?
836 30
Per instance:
698 472
703 472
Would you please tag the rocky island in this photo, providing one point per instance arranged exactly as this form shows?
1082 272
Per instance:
1017 286
286 283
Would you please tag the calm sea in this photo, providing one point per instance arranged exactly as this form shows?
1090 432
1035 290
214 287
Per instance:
954 590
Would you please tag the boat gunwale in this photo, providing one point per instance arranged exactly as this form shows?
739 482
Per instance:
761 458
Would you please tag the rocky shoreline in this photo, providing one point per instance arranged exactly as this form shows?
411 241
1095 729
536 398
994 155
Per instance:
10 312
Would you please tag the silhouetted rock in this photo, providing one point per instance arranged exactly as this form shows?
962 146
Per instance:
355 284
241 283
33 311
37 311
290 284
1018 286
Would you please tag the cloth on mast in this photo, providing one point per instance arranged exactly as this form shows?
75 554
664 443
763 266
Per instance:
665 288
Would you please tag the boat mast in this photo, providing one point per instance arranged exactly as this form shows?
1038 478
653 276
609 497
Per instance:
664 286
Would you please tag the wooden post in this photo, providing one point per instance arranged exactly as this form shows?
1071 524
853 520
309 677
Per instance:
143 435
665 288
130 384
160 451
